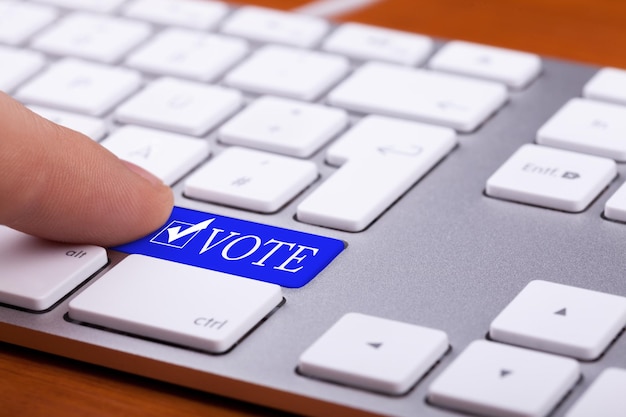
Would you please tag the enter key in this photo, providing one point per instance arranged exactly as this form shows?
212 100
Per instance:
382 158
552 178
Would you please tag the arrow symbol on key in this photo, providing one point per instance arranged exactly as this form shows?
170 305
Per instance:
375 345
561 312
505 372
571 175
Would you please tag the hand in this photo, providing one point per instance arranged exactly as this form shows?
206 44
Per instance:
60 185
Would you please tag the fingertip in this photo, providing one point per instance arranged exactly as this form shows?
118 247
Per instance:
147 175
61 185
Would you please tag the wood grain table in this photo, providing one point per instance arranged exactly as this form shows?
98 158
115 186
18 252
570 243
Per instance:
37 384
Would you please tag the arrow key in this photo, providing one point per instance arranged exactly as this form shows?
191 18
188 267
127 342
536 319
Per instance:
374 353
561 319
488 378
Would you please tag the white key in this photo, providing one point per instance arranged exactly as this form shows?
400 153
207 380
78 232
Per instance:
587 126
367 42
24 64
102 6
273 26
605 397
100 38
189 54
385 158
450 100
608 84
20 20
283 71
193 14
553 178
284 126
615 207
373 353
514 68
36 273
187 306
561 319
489 379
381 134
89 126
169 156
251 179
84 87
180 106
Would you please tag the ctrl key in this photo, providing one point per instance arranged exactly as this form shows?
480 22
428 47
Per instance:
36 273
176 303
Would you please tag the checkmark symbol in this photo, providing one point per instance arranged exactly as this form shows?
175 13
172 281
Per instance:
174 233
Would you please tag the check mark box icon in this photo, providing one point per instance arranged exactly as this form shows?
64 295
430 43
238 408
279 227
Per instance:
178 234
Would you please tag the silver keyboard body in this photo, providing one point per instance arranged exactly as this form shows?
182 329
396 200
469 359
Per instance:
444 256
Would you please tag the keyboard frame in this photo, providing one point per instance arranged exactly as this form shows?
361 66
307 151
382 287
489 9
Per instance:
444 256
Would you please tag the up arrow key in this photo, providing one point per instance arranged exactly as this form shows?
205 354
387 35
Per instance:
540 317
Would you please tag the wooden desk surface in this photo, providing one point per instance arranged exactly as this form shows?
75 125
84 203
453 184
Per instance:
35 384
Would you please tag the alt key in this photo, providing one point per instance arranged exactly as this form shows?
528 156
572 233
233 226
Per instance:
36 273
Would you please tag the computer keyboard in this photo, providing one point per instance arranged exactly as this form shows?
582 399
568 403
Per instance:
367 221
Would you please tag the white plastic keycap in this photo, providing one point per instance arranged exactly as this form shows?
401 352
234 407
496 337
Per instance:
194 14
273 26
288 72
251 179
387 135
561 319
93 127
514 68
552 178
24 64
421 95
180 106
608 84
284 126
374 353
382 157
367 42
187 306
615 207
188 54
80 86
20 20
99 38
605 397
168 156
497 380
102 6
36 273
587 126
